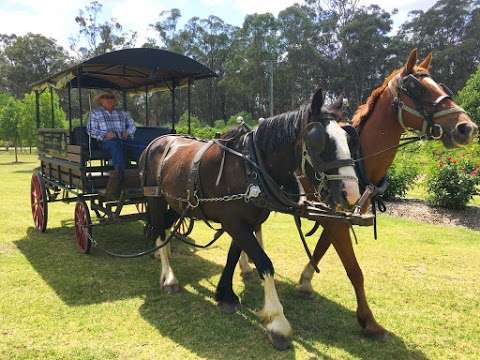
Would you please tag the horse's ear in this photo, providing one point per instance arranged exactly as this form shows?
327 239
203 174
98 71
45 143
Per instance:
412 59
425 64
337 108
317 102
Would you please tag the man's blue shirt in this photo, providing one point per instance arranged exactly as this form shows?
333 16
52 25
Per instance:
101 121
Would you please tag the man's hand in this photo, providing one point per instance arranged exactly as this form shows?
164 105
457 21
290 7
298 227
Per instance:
109 135
124 134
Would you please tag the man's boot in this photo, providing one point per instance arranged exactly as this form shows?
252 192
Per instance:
114 185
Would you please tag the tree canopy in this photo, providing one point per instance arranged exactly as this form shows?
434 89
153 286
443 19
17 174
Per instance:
340 46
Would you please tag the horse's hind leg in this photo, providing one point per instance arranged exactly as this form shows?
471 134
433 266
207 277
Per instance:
168 281
305 284
246 270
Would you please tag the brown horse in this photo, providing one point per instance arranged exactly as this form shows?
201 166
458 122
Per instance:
408 98
179 167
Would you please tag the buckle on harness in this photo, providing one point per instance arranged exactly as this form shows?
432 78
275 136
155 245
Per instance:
434 129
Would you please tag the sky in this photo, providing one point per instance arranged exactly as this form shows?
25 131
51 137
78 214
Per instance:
55 19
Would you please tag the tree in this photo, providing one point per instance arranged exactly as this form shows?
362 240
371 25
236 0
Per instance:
9 123
469 96
450 29
26 59
95 37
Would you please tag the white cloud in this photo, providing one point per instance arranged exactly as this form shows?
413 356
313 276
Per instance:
137 15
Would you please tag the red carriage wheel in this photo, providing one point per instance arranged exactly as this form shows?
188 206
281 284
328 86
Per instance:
83 227
185 227
39 202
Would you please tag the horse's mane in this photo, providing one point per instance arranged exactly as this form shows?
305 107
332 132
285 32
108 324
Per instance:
365 110
282 129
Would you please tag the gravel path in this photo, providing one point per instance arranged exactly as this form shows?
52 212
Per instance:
418 210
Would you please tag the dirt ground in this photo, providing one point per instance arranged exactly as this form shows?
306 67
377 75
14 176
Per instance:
418 210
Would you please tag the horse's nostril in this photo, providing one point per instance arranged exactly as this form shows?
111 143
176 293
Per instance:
466 129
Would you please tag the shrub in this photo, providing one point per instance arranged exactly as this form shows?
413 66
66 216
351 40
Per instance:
401 178
452 184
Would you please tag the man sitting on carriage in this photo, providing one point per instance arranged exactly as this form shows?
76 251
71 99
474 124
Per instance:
114 130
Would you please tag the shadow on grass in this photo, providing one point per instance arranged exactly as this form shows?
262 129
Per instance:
191 318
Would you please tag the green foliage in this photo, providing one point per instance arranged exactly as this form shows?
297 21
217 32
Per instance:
453 183
401 178
469 96
205 132
10 116
194 121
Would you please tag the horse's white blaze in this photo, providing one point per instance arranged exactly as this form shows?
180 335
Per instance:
306 279
343 152
272 312
167 277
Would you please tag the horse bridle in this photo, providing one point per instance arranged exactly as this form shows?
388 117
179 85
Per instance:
411 86
320 167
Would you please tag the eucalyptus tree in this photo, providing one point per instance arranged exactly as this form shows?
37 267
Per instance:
450 28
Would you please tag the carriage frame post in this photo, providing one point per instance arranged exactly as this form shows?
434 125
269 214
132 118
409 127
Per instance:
37 108
189 103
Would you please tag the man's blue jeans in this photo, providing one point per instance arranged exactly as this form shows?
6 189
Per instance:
122 150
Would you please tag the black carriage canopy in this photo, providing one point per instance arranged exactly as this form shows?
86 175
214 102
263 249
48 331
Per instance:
131 70
136 71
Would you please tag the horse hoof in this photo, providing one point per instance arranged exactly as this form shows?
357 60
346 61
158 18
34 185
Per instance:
171 289
304 294
229 308
279 342
248 275
380 335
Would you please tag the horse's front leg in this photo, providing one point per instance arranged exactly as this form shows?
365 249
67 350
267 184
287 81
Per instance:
342 243
278 327
246 271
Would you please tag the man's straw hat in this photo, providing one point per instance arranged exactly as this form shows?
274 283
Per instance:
96 100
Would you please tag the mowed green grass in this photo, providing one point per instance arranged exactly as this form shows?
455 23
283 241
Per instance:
422 282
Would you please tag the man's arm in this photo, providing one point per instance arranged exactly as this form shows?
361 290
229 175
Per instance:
130 125
94 126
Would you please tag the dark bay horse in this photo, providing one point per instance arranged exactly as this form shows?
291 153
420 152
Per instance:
308 137
408 98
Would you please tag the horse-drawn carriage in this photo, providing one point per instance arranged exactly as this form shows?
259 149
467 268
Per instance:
266 160
73 167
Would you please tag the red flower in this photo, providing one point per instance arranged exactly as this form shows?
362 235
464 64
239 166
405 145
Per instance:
475 172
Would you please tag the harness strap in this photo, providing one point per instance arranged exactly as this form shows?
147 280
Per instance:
427 124
298 224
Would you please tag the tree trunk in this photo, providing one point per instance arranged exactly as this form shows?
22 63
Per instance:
16 152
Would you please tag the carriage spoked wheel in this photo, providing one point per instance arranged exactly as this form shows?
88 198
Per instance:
83 227
39 202
185 227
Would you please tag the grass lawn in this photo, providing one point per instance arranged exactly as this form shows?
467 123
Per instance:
422 282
